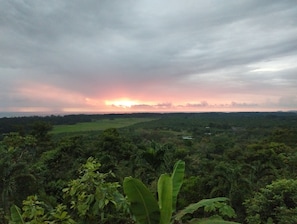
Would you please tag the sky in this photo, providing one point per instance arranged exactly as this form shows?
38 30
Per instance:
99 56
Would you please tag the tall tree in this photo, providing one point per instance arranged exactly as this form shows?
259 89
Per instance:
16 179
275 203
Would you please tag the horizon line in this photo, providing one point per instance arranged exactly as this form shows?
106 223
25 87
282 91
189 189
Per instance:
15 114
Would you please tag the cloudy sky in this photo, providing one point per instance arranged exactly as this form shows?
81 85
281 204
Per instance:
148 55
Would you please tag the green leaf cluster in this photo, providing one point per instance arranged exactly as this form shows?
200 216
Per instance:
147 210
91 196
34 212
275 203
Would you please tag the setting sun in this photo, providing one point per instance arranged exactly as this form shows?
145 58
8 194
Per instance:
124 103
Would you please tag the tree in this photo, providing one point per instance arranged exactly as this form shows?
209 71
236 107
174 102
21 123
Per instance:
36 212
227 180
18 148
275 203
113 149
93 198
230 180
40 130
16 181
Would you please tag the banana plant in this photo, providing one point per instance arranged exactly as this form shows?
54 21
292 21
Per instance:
147 210
16 216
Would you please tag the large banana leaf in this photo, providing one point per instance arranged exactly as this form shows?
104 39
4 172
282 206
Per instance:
177 181
210 221
193 207
15 214
165 198
144 206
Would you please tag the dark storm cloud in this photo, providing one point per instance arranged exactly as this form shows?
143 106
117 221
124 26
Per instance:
98 47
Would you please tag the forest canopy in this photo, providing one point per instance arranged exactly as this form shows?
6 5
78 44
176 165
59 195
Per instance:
247 161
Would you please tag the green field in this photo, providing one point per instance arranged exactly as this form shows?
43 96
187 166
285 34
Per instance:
98 125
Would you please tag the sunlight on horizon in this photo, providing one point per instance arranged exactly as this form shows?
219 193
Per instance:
123 103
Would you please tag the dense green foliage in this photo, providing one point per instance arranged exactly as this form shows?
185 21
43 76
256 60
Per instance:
148 210
275 203
249 158
92 197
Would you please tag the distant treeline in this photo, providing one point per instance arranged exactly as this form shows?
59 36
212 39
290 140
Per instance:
24 124
16 124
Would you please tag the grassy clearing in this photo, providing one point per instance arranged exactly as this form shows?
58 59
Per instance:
98 125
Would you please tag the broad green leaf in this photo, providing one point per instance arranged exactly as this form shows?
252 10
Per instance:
165 198
226 210
193 207
210 221
177 181
144 206
15 214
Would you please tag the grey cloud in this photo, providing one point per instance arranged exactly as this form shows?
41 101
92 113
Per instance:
97 47
288 101
201 104
235 104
